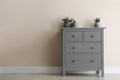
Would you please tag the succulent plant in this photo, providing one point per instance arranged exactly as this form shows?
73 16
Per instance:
73 24
69 22
97 19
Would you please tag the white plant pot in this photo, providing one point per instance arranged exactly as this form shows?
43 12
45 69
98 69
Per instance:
97 24
67 25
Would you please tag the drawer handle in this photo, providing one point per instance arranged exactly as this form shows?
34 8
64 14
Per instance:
73 47
92 61
73 61
91 47
92 36
73 36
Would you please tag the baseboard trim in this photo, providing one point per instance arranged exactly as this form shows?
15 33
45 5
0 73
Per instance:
30 69
108 70
112 70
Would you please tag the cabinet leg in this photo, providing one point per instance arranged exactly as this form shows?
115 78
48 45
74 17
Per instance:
102 74
97 72
63 73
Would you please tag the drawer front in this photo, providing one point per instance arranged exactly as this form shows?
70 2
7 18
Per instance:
83 47
83 61
73 36
92 36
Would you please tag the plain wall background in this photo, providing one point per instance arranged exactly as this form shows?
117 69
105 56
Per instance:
30 32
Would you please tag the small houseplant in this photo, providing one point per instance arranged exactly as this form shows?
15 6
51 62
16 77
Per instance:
69 22
97 22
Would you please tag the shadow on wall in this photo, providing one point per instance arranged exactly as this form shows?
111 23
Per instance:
54 45
55 50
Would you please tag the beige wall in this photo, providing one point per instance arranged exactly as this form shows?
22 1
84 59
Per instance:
30 29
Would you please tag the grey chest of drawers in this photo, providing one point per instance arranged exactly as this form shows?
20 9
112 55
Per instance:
83 50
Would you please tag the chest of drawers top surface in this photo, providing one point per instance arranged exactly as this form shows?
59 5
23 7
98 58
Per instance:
82 29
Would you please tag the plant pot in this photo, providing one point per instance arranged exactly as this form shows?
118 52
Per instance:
97 24
66 24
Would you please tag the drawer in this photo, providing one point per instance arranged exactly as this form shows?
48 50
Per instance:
83 47
92 36
73 36
83 61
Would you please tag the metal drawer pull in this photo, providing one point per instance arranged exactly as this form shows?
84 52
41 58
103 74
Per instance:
73 61
73 47
91 47
73 36
92 61
92 36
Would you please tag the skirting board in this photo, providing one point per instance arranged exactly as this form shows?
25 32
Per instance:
108 70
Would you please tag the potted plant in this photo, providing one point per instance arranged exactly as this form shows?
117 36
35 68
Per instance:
73 24
97 22
69 22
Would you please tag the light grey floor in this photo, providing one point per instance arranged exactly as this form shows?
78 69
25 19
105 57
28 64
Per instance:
57 77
